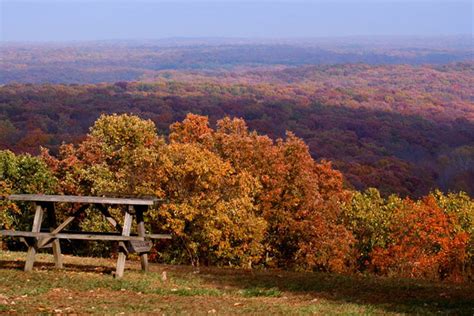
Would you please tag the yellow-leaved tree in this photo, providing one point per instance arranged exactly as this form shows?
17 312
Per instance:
208 206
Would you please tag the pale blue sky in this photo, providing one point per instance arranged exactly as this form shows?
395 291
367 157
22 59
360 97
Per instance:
65 20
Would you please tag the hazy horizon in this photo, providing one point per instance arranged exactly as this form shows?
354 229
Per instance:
57 21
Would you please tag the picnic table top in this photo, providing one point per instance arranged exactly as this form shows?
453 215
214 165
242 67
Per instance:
82 199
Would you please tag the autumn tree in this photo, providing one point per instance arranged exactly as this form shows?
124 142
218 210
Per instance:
369 217
118 157
300 199
208 206
21 174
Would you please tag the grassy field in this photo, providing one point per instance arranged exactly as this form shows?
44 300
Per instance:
86 285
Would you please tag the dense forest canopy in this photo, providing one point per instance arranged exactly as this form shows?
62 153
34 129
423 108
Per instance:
111 61
400 128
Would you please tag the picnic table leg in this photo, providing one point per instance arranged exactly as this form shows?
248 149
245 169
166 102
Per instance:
122 256
141 232
58 260
30 256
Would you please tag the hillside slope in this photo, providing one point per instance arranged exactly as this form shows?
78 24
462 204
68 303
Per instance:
403 129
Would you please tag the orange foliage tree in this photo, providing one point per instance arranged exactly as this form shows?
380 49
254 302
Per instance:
300 199
422 242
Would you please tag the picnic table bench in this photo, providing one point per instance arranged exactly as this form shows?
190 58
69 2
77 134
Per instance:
38 238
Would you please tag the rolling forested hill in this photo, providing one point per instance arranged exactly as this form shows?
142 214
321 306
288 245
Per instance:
112 61
404 129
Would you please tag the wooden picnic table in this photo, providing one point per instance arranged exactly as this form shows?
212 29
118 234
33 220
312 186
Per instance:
38 238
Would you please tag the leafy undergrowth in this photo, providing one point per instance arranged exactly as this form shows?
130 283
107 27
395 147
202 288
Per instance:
86 285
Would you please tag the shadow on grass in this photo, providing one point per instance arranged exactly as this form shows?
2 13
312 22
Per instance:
19 265
387 294
390 294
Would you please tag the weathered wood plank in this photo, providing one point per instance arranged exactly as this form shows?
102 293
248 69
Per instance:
30 256
58 262
78 236
158 236
122 256
58 259
145 246
112 221
81 199
139 246
81 235
45 241
63 225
